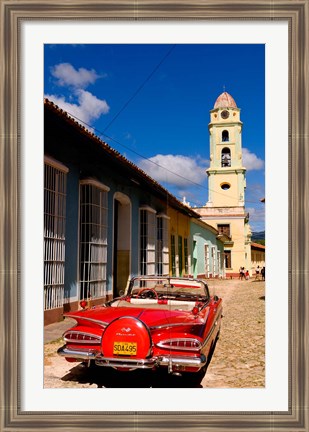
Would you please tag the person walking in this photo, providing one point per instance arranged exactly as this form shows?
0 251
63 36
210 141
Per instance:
257 273
263 273
241 273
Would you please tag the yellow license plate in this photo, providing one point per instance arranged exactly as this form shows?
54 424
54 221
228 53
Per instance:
125 348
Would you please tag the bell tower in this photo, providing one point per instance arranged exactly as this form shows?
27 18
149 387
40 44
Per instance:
225 208
226 174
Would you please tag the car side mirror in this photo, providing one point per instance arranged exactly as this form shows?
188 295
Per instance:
121 293
216 298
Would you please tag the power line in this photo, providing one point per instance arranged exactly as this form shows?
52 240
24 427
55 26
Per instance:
139 88
149 160
128 148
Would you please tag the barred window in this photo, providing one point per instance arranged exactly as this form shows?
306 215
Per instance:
54 232
180 255
147 241
173 254
219 264
206 258
186 255
93 239
162 246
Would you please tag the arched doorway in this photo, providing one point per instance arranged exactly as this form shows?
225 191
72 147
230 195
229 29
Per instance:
122 242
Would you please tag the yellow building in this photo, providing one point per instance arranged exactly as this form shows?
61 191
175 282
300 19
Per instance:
225 209
179 226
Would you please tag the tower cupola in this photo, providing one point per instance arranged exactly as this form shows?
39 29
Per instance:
225 100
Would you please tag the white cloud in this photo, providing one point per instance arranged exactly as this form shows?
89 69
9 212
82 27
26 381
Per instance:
186 169
251 161
67 75
88 109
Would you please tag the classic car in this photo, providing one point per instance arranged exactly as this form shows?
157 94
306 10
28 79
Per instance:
158 322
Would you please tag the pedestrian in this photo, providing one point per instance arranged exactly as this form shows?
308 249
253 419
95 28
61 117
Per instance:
257 273
247 275
241 273
263 273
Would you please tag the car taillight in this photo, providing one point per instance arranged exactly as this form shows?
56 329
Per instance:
181 344
195 310
78 337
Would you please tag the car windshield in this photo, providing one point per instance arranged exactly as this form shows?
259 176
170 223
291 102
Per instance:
170 288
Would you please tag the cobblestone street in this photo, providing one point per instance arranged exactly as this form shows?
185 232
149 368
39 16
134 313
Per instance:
238 360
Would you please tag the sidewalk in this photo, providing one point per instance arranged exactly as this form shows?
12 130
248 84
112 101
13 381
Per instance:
55 331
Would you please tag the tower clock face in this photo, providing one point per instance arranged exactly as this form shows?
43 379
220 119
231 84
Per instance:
225 114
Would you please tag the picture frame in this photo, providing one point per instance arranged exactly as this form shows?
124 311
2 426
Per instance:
295 12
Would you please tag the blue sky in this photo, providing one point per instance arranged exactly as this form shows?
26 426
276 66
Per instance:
153 102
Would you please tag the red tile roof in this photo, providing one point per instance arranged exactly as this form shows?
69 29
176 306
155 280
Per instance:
225 100
257 245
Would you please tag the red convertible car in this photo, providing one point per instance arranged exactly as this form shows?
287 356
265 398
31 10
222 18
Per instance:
160 322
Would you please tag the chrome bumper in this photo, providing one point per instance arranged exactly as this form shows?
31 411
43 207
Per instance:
77 354
169 361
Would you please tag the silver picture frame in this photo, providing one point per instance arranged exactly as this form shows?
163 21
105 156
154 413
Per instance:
295 13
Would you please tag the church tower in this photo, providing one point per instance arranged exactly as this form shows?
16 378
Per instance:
227 176
225 208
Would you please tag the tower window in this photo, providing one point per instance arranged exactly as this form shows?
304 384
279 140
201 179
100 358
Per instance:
225 186
226 157
225 136
224 229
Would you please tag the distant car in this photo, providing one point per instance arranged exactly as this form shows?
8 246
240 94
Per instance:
160 322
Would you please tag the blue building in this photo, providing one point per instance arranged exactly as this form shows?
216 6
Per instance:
207 251
104 219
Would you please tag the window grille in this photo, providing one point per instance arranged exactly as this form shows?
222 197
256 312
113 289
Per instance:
206 257
180 255
213 259
219 262
186 255
93 239
162 246
54 234
147 242
173 254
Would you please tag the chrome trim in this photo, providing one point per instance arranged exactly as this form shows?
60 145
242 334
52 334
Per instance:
183 361
196 362
77 354
126 363
165 360
162 343
82 341
174 325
